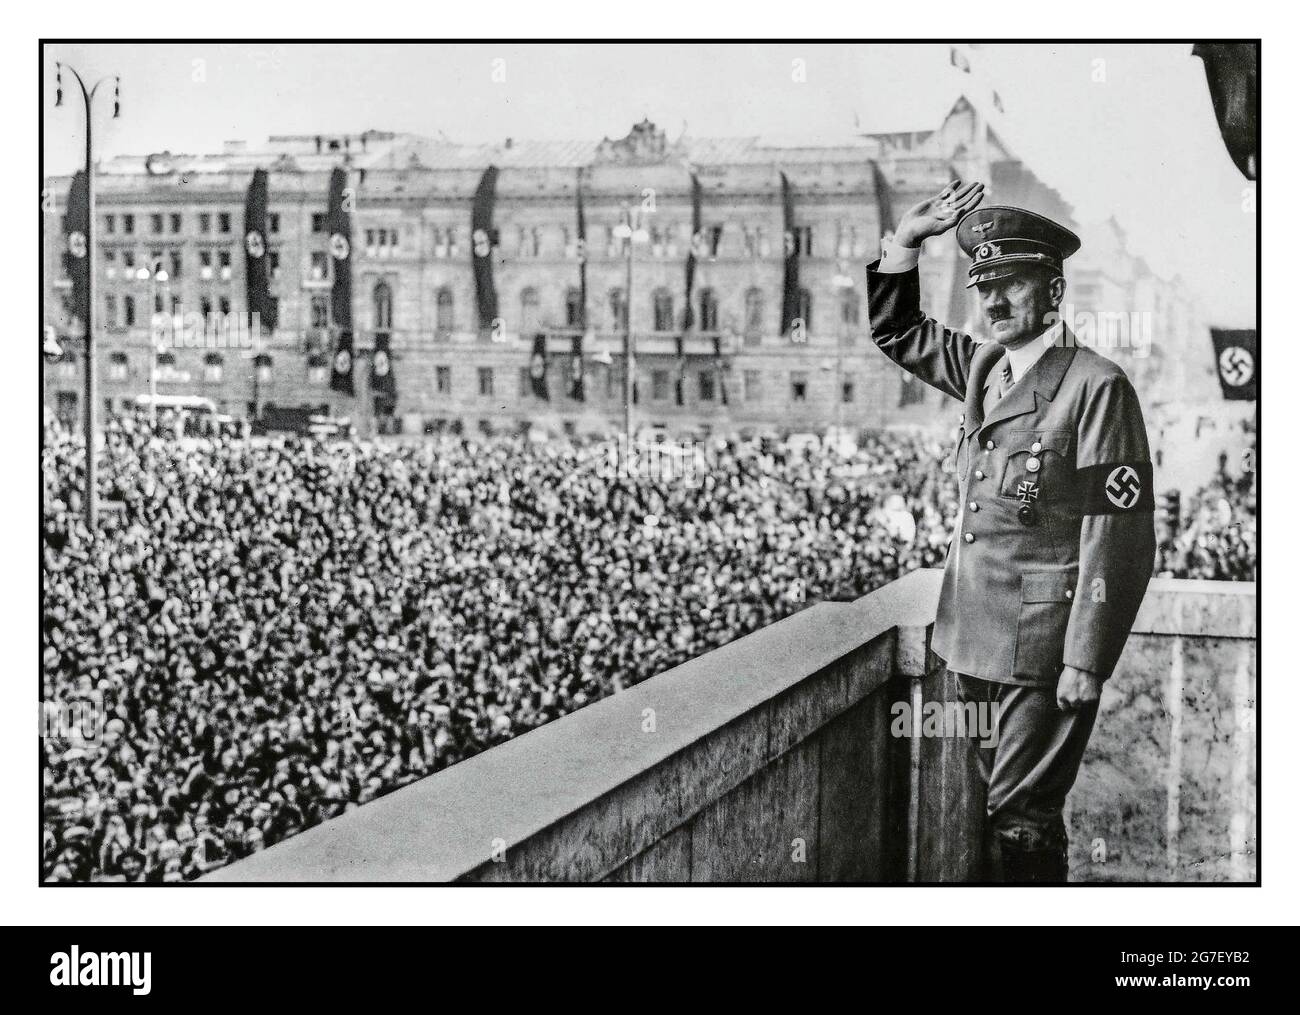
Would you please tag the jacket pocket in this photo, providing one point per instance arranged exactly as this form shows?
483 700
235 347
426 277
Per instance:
1045 601
1038 464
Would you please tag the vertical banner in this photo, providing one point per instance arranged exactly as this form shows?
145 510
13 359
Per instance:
693 253
483 238
884 201
790 287
76 257
721 366
1237 354
258 292
577 381
537 367
382 381
582 258
338 223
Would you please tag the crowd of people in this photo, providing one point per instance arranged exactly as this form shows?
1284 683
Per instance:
276 631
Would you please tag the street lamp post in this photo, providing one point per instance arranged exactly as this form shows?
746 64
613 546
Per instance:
88 311
631 232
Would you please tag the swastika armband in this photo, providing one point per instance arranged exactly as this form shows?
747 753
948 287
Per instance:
1116 488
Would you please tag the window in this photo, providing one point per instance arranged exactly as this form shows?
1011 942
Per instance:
224 304
573 308
803 241
175 222
715 240
525 382
753 381
213 368
156 223
205 306
110 224
659 385
128 311
262 368
223 259
316 369
846 391
753 316
708 310
446 311
205 222
383 300
273 222
174 264
798 386
485 380
128 224
110 311
849 307
320 311
529 317
117 366
663 305
319 265
223 222
442 380
618 309
706 385
805 309
273 263
318 222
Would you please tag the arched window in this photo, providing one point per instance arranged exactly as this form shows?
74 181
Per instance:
805 309
708 310
663 305
446 310
529 317
383 297
618 309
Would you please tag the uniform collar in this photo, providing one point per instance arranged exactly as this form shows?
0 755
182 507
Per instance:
1040 382
1028 354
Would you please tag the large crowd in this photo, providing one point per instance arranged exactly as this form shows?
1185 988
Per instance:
276 631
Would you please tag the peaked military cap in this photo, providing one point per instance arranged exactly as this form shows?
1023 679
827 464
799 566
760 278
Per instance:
1000 240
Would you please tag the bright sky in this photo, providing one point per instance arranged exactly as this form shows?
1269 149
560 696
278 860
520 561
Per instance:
1123 130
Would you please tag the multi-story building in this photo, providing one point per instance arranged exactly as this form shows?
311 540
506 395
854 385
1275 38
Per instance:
413 278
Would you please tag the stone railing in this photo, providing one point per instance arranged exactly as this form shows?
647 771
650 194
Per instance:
777 759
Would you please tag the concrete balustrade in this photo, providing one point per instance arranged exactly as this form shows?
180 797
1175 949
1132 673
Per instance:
772 760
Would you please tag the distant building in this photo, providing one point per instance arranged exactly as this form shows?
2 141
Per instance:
413 281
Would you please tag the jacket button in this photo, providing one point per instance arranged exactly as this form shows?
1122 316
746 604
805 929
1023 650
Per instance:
970 537
989 446
1036 447
1032 464
974 506
978 474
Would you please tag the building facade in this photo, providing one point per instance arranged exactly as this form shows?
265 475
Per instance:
182 218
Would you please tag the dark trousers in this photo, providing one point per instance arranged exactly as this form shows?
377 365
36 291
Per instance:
1027 773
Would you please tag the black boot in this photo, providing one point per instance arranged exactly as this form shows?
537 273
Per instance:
1025 857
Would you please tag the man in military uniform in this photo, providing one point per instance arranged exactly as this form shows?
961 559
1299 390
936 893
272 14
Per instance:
1055 540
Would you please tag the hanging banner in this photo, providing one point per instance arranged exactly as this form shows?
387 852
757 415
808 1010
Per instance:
256 274
790 287
1236 353
483 237
76 256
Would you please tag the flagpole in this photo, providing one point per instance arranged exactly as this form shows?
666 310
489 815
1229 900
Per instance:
631 232
88 96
